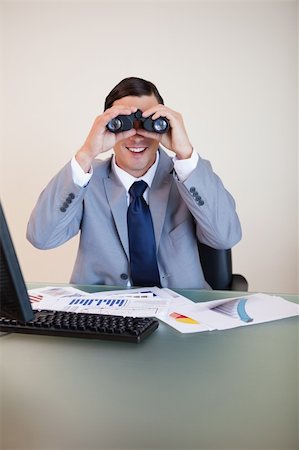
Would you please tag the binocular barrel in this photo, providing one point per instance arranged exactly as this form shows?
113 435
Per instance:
125 123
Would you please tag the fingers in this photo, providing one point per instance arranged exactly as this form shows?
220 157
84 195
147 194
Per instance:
161 111
101 121
174 118
115 111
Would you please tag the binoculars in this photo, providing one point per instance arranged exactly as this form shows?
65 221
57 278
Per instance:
125 123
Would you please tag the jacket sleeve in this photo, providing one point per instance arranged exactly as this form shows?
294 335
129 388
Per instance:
212 207
57 215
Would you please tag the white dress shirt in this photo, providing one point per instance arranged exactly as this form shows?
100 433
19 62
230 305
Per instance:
182 167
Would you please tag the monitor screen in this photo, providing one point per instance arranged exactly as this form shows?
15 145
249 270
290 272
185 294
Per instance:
14 300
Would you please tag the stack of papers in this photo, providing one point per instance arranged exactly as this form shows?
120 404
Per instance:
170 307
146 302
229 313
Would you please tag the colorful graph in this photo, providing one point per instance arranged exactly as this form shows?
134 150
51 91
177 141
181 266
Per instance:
103 302
235 308
183 319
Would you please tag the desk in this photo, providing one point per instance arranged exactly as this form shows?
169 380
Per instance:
233 389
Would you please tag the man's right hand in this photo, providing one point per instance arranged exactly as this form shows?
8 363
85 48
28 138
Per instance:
100 139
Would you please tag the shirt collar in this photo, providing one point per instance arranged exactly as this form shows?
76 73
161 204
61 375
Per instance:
127 179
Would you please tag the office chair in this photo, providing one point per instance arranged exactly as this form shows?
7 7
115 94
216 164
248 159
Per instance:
217 269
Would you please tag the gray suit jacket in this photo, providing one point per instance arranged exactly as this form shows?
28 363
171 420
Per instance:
199 208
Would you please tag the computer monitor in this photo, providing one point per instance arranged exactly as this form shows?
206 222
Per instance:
14 300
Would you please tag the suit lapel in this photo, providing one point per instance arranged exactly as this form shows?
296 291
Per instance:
159 193
117 199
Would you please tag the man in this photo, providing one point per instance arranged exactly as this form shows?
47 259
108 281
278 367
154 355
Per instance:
187 202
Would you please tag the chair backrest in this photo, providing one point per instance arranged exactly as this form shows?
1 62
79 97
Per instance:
218 270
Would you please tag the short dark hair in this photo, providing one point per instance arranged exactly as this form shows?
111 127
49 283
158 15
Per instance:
132 86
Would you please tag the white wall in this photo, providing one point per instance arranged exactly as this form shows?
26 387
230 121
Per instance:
229 67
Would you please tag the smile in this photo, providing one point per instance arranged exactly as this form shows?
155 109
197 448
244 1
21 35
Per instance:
136 149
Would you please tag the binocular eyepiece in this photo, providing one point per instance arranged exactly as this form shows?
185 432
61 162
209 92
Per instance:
125 123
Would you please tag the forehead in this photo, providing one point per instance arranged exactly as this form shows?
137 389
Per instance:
144 102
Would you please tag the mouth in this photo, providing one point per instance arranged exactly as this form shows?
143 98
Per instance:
136 149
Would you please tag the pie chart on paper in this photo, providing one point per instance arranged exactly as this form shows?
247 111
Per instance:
183 319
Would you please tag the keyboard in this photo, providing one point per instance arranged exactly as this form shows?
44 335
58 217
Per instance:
79 325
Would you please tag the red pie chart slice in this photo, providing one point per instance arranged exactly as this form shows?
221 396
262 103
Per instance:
183 319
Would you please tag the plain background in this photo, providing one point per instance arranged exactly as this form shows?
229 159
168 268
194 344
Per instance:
230 68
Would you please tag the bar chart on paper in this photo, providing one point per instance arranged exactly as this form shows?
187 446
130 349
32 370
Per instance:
102 303
134 302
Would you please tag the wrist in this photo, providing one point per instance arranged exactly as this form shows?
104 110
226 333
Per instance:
186 154
84 159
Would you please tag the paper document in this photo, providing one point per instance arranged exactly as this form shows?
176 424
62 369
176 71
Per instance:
143 302
170 307
229 313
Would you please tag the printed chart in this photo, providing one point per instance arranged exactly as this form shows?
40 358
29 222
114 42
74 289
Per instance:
183 319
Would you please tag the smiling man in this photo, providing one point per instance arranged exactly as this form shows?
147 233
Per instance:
140 213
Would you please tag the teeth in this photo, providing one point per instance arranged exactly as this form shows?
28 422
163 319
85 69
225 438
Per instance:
136 149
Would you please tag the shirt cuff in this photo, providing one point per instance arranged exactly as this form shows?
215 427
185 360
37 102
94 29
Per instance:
79 176
184 167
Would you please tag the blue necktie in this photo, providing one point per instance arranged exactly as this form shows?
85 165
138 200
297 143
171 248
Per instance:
144 268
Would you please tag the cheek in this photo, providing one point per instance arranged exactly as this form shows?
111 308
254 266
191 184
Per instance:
119 148
154 146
